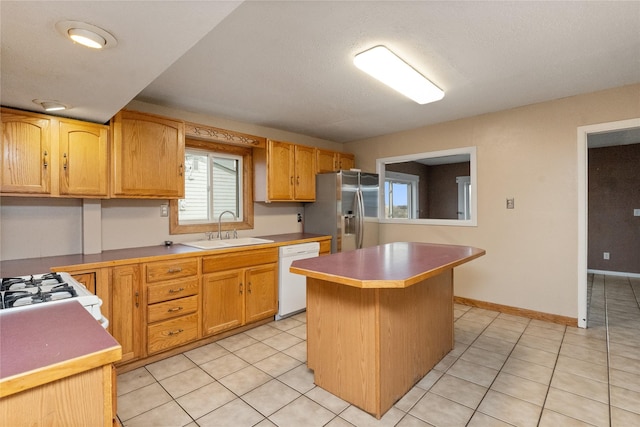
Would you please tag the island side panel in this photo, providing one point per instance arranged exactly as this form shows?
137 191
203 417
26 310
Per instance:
342 341
416 332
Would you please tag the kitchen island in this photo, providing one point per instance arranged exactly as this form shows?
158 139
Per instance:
56 367
379 318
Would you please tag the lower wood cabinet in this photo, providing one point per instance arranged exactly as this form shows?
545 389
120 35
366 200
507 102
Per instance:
237 297
173 303
127 318
242 295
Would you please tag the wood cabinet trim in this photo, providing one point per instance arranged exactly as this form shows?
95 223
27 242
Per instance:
210 133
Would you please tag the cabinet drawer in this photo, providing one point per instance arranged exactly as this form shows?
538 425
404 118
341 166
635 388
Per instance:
172 333
173 308
230 261
173 269
172 290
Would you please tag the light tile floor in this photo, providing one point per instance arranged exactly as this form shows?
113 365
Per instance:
504 370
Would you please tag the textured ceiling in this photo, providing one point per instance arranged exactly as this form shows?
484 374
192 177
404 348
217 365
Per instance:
288 65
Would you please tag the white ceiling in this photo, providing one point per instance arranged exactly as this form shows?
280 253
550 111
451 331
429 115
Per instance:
288 64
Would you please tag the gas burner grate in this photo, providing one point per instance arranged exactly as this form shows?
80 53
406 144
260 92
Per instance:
16 283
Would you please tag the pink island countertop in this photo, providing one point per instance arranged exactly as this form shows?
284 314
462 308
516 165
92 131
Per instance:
54 341
392 265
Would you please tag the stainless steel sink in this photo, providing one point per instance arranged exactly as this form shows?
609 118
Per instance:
227 243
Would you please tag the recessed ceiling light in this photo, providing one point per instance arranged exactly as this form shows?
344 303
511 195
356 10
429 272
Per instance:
86 34
50 105
382 64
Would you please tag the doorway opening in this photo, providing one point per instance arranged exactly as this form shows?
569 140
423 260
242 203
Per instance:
585 134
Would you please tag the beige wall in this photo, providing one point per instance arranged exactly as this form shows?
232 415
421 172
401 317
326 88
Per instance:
529 153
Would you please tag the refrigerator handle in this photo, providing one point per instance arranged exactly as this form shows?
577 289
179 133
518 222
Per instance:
359 218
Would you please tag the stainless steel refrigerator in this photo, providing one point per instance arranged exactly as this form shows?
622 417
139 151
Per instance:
346 208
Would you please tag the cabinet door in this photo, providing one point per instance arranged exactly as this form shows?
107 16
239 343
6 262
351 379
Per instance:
83 159
148 156
280 166
126 321
87 279
305 176
262 292
222 301
347 161
326 161
26 153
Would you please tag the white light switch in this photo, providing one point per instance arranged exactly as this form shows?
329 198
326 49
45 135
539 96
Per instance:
164 210
636 212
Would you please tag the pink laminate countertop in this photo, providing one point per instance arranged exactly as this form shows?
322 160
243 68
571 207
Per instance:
50 342
392 265
22 267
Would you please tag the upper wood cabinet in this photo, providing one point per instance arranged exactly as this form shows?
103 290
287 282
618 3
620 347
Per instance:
26 153
147 156
330 161
290 171
82 160
46 155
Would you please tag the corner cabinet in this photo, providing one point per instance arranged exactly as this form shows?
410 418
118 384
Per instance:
49 156
238 288
147 156
285 172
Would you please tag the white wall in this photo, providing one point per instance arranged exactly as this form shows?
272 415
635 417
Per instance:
528 153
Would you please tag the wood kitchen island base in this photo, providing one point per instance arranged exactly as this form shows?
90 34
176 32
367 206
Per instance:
370 340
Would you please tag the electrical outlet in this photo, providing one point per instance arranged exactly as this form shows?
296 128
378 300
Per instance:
605 255
299 217
164 210
511 203
636 212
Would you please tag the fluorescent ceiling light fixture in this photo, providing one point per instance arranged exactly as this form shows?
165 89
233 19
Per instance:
384 65
51 105
86 34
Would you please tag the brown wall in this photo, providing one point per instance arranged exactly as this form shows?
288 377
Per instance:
614 192
443 189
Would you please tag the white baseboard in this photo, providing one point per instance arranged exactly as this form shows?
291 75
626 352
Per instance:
614 273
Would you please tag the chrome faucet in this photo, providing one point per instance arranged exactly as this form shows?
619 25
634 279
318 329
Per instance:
220 223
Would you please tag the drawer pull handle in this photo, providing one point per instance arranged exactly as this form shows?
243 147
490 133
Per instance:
175 270
175 291
240 288
176 332
171 310
249 288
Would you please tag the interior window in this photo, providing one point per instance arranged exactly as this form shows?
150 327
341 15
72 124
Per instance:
435 188
215 181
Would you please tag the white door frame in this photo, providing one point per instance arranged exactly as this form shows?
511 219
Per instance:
583 132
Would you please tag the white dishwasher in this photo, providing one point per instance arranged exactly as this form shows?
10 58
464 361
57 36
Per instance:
292 288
